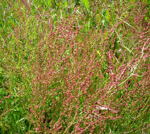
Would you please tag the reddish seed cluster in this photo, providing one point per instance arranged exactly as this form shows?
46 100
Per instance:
73 64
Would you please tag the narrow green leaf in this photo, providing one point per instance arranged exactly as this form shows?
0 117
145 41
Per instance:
86 4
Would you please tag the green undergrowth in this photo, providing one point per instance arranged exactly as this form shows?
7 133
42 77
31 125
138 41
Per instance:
59 60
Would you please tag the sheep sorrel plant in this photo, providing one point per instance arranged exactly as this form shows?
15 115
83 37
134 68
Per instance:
74 67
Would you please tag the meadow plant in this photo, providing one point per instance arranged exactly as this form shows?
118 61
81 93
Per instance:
75 74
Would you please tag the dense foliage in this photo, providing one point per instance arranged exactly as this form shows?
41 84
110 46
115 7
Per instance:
74 66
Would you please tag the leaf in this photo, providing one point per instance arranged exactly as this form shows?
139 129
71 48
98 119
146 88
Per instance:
107 15
65 4
49 3
98 52
86 4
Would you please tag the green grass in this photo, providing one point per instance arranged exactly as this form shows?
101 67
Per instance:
60 60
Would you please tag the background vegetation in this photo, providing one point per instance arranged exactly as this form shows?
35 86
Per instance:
74 66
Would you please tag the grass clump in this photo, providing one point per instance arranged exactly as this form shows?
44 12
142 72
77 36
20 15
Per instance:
74 67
